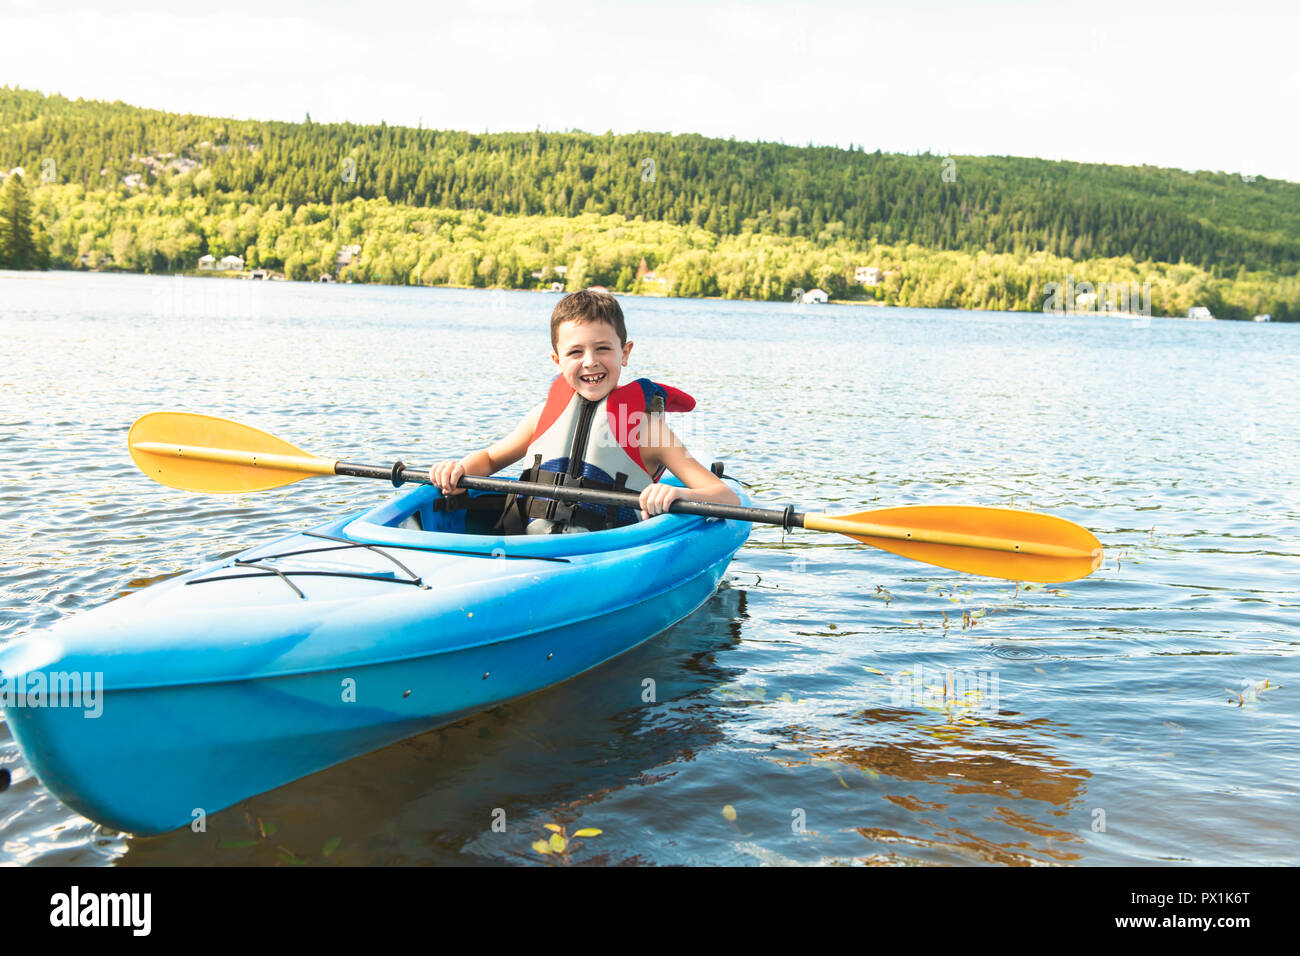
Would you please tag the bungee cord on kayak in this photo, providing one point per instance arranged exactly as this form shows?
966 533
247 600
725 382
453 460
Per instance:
258 563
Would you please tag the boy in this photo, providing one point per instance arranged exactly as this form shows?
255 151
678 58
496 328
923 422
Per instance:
592 429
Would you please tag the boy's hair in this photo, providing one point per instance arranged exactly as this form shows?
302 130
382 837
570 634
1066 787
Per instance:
587 306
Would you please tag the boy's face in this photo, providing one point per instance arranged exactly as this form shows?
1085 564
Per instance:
590 357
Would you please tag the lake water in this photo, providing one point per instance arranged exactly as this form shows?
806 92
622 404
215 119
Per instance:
1121 719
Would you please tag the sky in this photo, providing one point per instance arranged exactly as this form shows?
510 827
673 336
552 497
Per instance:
1189 85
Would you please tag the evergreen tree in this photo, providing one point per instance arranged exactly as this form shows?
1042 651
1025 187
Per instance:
17 246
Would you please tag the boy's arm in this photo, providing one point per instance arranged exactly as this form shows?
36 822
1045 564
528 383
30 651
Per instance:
662 447
487 461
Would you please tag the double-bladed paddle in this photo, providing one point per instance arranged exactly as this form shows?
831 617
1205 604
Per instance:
202 453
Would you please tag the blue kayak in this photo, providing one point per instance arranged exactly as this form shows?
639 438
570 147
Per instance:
251 672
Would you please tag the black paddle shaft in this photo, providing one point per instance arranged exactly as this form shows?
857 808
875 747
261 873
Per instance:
399 474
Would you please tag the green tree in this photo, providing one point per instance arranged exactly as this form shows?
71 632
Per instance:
297 269
17 246
578 277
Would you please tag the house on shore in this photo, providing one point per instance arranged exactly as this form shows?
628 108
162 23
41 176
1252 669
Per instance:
560 271
814 297
230 264
207 262
1200 313
866 275
346 254
647 277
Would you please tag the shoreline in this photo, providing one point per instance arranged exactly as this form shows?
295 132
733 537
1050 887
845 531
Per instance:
868 303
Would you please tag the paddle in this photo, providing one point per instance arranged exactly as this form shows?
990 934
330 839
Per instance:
202 453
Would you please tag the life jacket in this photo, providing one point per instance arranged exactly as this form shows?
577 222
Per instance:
590 445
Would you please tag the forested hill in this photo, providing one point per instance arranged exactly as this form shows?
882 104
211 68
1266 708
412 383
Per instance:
1219 222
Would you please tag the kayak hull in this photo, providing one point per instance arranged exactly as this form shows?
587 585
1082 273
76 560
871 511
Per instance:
196 712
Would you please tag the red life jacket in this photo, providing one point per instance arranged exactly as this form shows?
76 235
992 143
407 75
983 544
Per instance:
594 445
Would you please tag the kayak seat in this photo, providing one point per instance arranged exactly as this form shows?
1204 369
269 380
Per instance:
465 514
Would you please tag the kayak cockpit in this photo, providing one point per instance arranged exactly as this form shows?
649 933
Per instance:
416 519
429 514
473 513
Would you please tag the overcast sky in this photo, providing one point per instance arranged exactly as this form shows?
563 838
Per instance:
1191 85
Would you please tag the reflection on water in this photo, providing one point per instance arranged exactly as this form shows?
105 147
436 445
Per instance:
1144 715
135 584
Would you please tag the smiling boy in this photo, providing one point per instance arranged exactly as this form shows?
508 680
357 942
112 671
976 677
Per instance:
591 431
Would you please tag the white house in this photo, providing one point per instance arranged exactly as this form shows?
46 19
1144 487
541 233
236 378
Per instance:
1200 313
231 264
815 297
207 262
866 275
646 276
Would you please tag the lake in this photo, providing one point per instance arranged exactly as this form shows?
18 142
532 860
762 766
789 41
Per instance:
831 702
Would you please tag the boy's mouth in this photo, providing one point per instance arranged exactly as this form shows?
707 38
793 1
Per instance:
595 379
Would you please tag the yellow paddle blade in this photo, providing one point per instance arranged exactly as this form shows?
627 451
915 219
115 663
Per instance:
996 542
203 453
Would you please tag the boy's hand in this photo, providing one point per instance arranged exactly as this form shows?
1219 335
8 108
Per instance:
445 475
656 498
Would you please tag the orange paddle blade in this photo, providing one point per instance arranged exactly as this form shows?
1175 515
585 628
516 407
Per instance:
996 542
203 453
